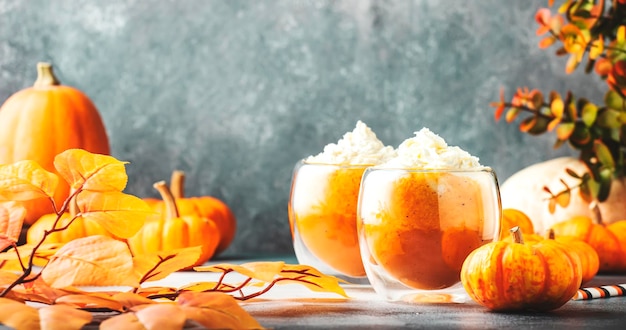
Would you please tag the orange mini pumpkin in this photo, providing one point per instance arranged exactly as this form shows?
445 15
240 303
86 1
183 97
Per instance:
515 218
609 241
171 230
203 206
39 122
518 275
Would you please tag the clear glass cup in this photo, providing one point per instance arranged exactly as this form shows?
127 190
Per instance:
322 216
416 227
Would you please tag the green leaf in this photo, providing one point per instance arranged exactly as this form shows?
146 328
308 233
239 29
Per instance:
564 131
613 100
609 118
604 155
589 114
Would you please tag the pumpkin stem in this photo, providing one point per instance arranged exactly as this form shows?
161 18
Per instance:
45 76
551 234
177 184
516 233
171 210
596 215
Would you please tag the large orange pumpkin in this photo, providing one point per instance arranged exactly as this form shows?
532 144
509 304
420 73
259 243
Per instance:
39 122
524 191
511 276
172 230
202 206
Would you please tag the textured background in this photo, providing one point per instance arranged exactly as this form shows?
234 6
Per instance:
235 92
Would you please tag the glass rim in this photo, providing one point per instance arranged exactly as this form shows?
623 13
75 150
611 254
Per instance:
305 162
485 169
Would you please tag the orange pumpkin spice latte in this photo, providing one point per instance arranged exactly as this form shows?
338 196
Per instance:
415 235
328 227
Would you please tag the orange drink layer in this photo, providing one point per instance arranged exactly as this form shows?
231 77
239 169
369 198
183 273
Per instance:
323 214
424 224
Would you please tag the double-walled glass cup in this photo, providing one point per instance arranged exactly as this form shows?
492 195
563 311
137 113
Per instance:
416 227
322 215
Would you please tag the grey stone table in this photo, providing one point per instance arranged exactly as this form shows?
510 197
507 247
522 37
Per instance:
292 307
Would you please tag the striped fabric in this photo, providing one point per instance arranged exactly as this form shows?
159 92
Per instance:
605 291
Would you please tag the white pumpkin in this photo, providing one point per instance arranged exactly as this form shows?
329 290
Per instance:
524 191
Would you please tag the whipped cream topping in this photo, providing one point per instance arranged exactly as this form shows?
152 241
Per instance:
427 150
359 147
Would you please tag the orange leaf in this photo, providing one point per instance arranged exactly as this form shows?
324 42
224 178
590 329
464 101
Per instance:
154 316
11 220
156 266
18 315
230 314
129 299
120 214
91 261
263 271
90 300
26 180
82 169
63 317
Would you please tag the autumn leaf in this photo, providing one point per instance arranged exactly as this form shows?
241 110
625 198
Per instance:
120 214
155 316
26 180
129 299
10 260
156 266
91 261
62 317
311 278
91 300
272 273
263 271
11 221
18 315
216 310
84 170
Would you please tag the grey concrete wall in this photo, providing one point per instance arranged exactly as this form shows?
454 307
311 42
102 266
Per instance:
235 92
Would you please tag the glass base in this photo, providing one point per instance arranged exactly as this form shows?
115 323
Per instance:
395 291
305 257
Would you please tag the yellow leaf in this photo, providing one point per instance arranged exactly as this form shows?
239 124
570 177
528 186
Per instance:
95 172
230 316
280 273
263 271
61 317
91 261
120 214
18 315
26 180
11 220
314 280
156 266
154 316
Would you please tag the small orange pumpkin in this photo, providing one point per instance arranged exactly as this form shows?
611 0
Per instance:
170 230
203 206
518 275
39 122
515 218
609 241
